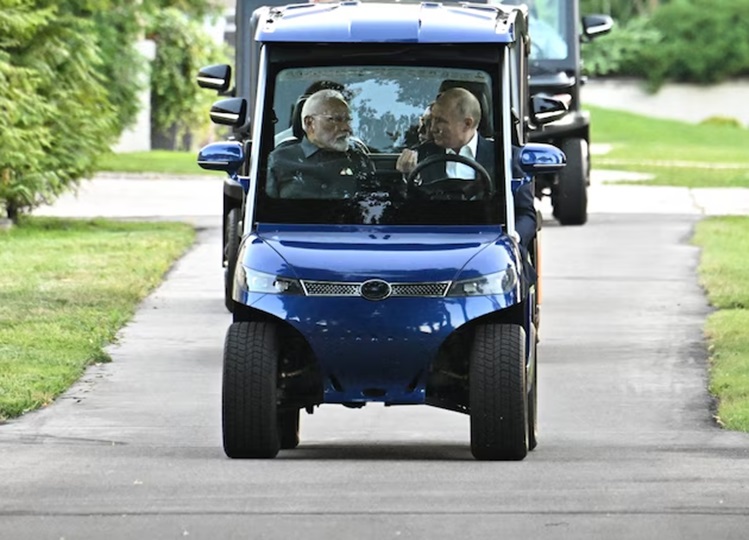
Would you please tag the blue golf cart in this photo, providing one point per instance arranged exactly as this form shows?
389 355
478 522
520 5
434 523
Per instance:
398 294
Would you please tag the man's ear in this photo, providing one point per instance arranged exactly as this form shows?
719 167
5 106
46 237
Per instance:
307 123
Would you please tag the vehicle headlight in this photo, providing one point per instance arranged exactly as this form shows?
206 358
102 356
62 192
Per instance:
499 283
260 282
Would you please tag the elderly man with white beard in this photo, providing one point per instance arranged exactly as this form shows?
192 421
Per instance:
324 164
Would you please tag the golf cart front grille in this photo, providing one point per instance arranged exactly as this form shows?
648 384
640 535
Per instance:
420 289
332 288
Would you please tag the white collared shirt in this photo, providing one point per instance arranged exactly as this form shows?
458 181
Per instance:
453 169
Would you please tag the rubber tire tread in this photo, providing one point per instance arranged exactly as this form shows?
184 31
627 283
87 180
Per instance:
249 391
498 393
288 429
232 253
571 197
533 409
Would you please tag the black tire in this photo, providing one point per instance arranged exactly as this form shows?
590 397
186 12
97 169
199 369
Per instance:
533 403
232 236
498 393
249 391
288 428
570 197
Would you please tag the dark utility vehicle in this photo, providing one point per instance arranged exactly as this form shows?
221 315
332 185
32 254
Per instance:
392 290
557 31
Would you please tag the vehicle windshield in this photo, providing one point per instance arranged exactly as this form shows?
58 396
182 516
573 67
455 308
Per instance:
332 158
549 26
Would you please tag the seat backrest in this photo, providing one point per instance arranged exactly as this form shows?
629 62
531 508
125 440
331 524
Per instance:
482 92
296 118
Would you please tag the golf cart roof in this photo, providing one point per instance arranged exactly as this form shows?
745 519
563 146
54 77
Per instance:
352 21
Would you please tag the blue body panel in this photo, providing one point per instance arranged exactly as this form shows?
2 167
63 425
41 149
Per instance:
376 350
428 22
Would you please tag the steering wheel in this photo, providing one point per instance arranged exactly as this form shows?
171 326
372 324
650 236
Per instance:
359 145
465 188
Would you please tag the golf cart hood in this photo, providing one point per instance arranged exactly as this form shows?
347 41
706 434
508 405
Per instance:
351 253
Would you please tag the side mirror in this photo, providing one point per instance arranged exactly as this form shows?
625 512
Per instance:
541 158
597 25
216 77
229 112
545 109
226 156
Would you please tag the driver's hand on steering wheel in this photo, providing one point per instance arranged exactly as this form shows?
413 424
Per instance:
406 161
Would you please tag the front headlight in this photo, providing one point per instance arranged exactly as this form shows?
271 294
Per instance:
499 283
260 282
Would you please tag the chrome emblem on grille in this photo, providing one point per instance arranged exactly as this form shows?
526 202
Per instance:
375 289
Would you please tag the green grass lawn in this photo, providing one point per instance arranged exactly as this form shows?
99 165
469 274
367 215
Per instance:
698 156
66 288
676 153
723 273
157 161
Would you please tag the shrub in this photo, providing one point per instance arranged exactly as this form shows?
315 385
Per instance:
612 53
182 47
722 121
701 41
56 116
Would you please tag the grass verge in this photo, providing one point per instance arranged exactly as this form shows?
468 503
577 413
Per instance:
66 288
156 161
675 153
725 246
699 156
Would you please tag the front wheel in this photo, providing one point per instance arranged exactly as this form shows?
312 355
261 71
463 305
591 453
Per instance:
232 236
498 393
570 194
249 391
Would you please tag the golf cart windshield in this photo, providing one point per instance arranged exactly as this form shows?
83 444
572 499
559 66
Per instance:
353 178
552 31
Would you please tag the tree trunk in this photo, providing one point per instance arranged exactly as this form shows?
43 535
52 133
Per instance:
12 211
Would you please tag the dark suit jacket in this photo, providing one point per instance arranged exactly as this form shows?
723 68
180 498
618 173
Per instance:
525 211
304 171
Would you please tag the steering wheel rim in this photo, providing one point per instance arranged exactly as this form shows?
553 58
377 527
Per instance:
483 178
359 145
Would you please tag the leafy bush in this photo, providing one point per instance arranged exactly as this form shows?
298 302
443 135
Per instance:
722 121
609 54
56 116
702 41
182 47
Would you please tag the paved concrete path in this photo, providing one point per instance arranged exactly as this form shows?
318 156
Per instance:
627 447
195 198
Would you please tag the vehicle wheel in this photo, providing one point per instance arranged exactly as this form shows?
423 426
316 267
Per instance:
570 198
498 393
288 429
232 236
249 410
533 401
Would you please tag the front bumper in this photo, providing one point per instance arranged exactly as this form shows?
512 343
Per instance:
376 350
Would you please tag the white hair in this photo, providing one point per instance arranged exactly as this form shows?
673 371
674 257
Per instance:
315 102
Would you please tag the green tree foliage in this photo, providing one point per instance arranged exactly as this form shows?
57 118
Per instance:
697 41
611 53
621 10
703 41
182 47
118 25
193 8
69 84
56 117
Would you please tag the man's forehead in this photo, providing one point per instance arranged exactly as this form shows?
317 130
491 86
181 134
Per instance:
335 104
441 108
